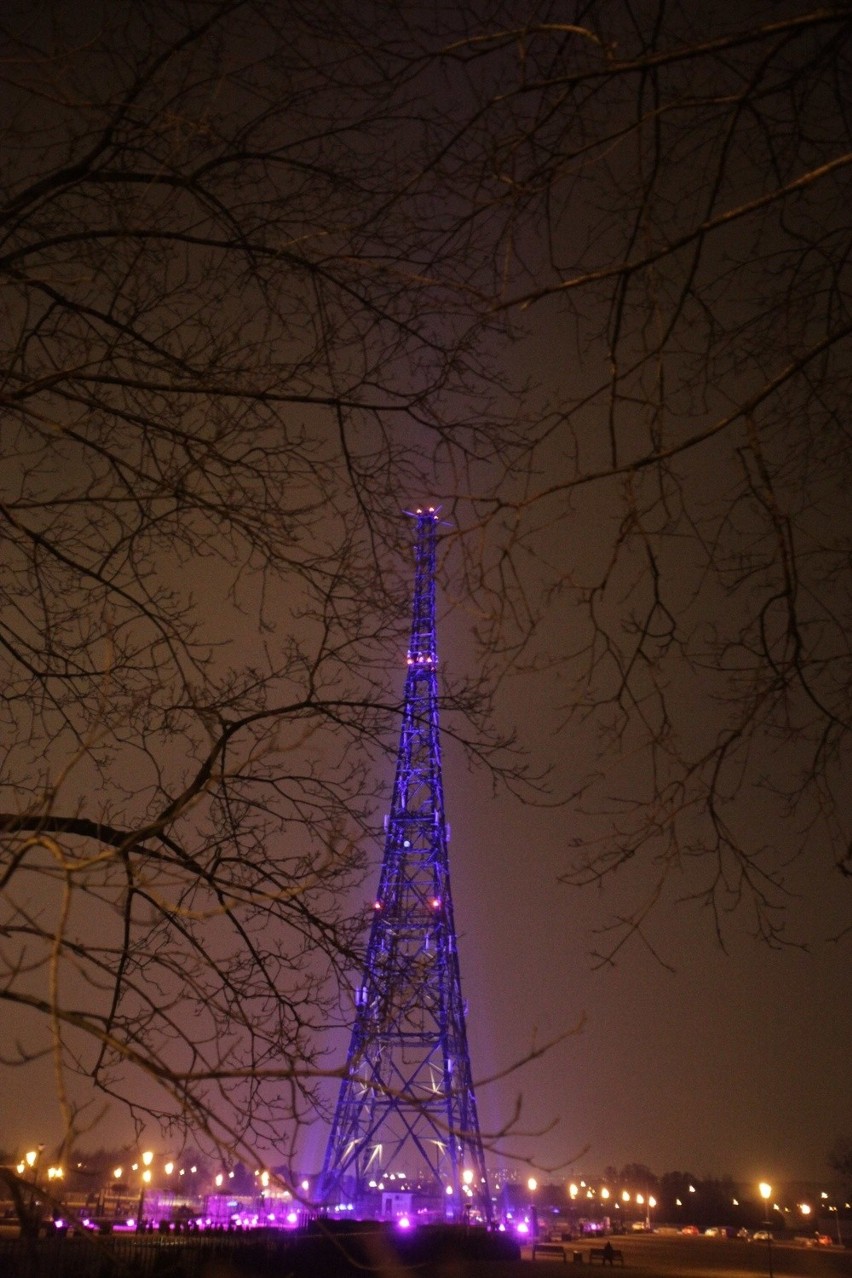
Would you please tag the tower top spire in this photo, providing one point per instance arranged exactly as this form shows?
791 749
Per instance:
423 649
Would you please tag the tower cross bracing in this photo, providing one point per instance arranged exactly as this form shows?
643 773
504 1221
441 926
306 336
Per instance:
406 1104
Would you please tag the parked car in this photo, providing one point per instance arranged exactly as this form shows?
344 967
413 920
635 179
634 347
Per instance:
692 1230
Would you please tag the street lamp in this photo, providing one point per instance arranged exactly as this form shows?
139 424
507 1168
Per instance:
766 1194
652 1202
836 1210
30 1161
147 1159
532 1186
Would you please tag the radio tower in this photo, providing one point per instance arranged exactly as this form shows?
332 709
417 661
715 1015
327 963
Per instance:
406 1103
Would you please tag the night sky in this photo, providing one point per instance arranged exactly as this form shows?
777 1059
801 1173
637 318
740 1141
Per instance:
702 1060
708 1057
695 1058
696 1044
695 1052
723 1063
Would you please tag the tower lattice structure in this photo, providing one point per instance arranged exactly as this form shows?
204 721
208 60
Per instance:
406 1104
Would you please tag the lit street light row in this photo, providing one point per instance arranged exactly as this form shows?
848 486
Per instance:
648 1202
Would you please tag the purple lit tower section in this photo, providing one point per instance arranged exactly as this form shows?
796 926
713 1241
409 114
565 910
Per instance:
406 1126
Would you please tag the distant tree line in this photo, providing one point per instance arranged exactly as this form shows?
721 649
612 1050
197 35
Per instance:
680 1198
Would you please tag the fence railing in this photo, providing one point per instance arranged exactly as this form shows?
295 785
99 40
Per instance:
324 1248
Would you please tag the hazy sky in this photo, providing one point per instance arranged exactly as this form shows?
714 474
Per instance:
701 1058
680 1054
729 1061
706 1060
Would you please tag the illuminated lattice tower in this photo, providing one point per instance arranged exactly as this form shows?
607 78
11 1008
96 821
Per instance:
406 1103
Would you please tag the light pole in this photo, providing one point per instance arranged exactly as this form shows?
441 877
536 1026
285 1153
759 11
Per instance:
836 1210
54 1175
147 1159
766 1194
532 1186
31 1161
467 1190
115 1192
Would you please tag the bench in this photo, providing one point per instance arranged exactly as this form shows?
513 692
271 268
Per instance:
556 1249
599 1253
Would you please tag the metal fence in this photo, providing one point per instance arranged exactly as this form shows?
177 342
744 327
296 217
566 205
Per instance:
324 1250
200 1256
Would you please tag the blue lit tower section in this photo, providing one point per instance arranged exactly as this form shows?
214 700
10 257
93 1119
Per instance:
406 1106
